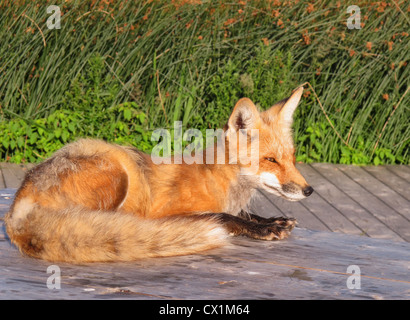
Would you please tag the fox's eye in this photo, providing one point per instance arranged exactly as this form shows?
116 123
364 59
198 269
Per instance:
271 160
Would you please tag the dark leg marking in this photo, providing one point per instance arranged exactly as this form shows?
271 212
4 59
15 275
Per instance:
283 221
277 229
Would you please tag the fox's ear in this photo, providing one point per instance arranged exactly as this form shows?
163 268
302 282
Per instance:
245 115
289 107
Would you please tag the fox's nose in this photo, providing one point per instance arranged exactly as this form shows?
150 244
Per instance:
307 191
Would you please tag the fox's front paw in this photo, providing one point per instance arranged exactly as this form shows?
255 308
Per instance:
284 222
277 230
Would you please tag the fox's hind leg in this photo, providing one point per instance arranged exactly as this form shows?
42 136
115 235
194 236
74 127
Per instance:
238 226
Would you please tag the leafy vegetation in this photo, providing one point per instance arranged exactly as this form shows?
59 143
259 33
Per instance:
117 70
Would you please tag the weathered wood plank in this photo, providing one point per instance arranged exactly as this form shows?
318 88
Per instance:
317 204
13 174
348 207
401 171
397 203
29 166
2 184
390 179
6 198
376 207
261 206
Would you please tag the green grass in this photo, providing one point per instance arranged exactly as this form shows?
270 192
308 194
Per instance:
117 71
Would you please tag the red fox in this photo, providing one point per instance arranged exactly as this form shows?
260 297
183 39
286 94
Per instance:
94 202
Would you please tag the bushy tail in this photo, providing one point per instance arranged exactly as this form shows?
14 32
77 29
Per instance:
78 236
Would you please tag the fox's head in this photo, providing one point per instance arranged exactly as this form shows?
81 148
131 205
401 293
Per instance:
276 172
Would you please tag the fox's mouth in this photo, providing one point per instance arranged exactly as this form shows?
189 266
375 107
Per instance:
280 193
